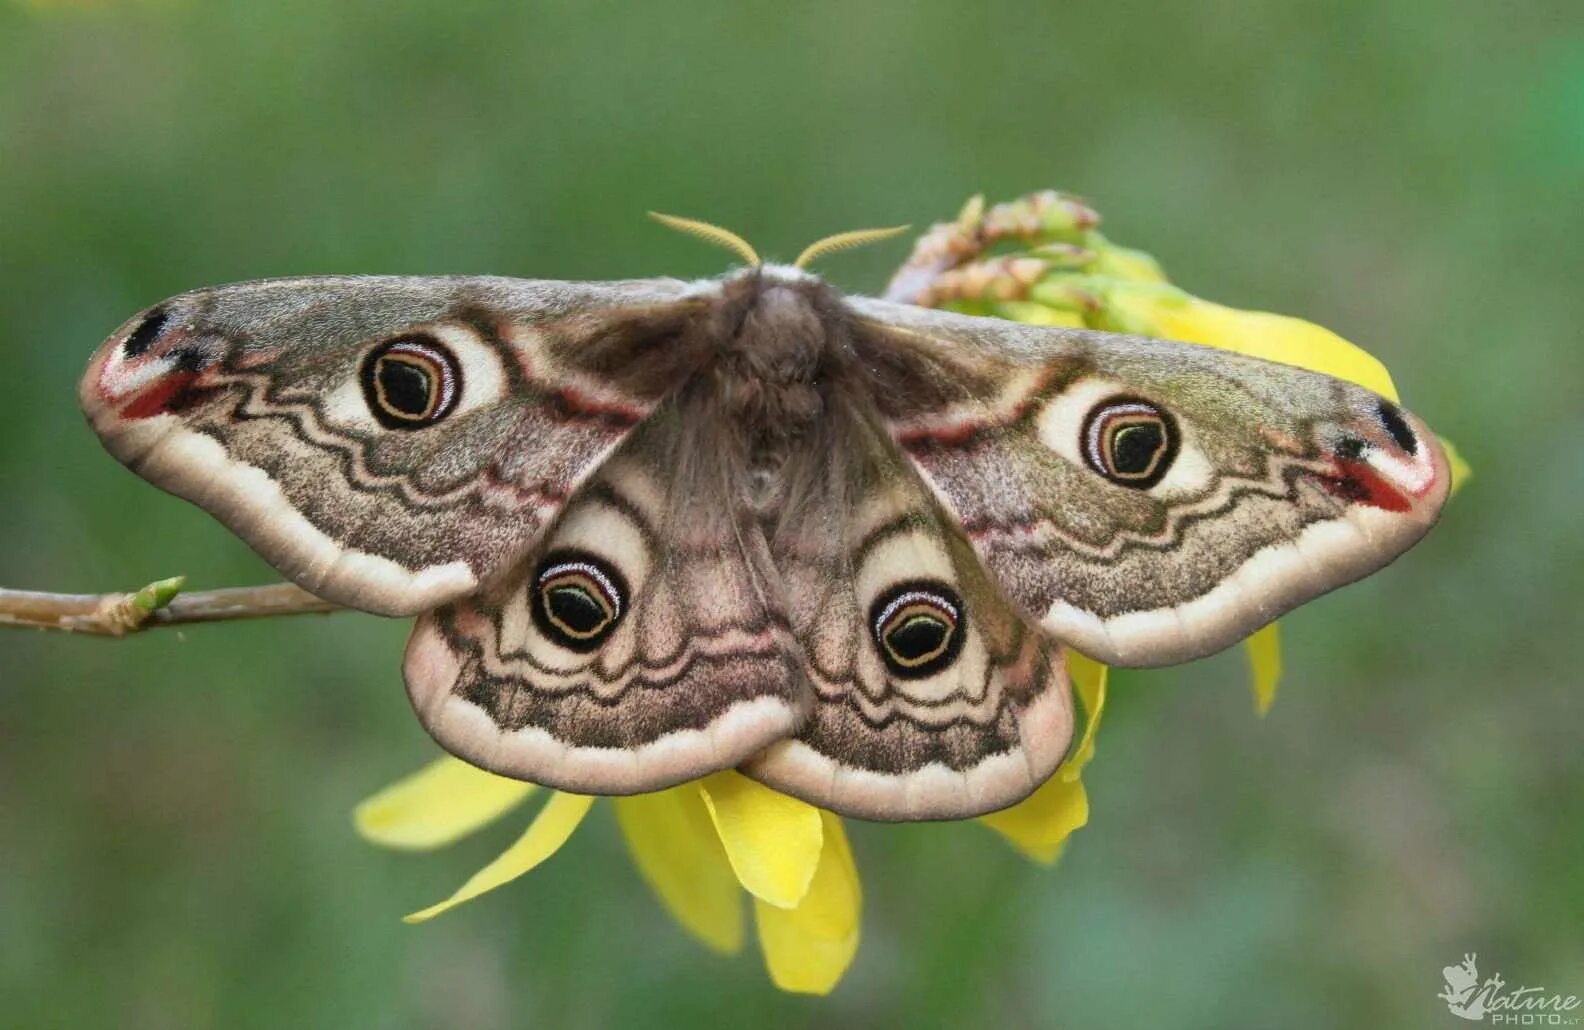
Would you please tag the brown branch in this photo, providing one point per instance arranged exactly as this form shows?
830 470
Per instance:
158 604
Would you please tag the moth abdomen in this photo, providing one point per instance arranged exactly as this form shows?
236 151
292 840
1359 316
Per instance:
759 419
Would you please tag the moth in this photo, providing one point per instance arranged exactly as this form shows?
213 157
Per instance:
652 529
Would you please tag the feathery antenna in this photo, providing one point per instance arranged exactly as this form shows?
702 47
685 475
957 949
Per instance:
710 234
845 241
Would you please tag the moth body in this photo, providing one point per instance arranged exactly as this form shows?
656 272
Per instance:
778 354
655 529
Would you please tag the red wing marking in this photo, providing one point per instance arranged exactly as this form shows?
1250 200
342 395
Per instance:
158 397
1358 482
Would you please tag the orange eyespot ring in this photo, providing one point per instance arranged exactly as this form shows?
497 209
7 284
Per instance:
1130 441
411 382
578 599
917 627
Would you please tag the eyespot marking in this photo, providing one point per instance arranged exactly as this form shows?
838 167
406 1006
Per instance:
411 382
1129 441
1391 417
139 340
917 627
578 599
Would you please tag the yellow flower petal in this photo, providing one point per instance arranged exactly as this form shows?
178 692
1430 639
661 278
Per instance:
679 854
772 841
1039 824
808 948
436 805
1089 682
1265 665
1174 315
543 838
1461 472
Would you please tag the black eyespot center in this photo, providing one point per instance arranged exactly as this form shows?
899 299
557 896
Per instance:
1130 441
139 340
918 627
918 637
576 608
1397 427
411 382
577 599
406 387
1135 447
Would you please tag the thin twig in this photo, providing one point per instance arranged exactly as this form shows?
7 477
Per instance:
158 604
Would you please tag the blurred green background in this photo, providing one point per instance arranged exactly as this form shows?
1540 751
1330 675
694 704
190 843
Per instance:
175 849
